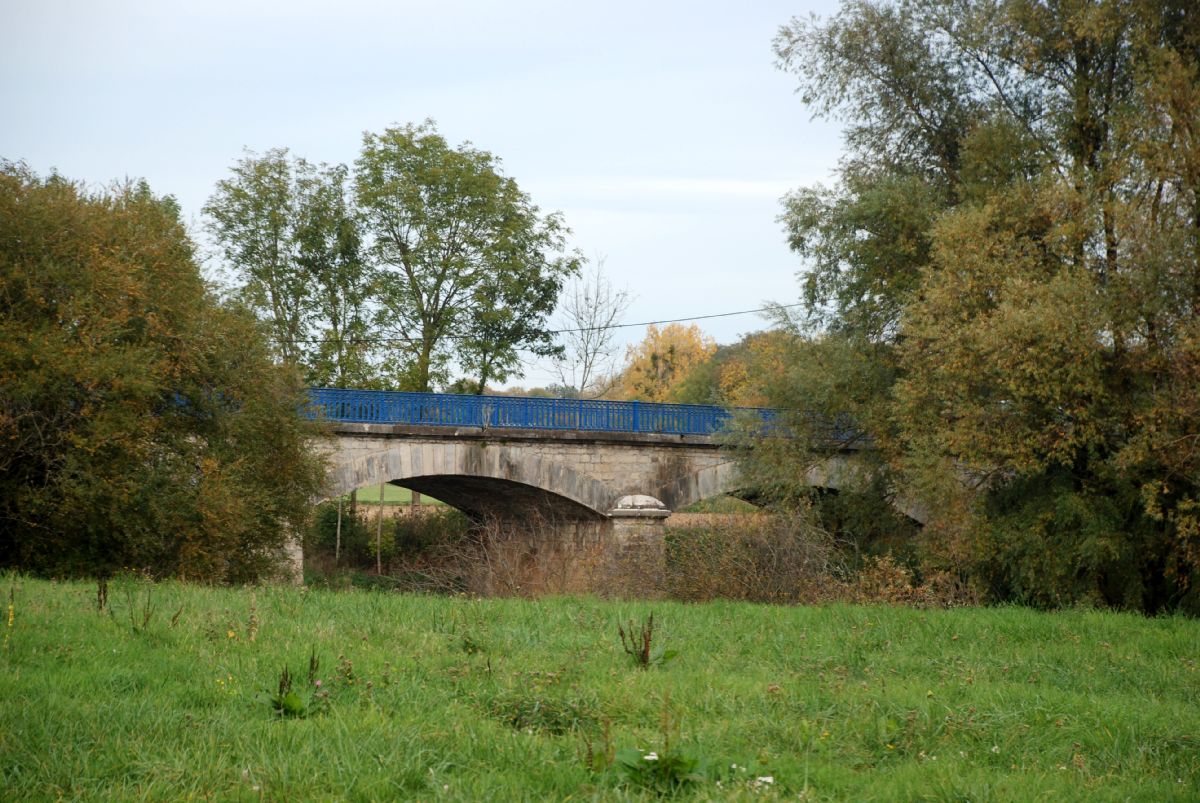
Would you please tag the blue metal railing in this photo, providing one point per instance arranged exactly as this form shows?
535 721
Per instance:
512 412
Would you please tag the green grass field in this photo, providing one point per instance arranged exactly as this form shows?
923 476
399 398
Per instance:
392 495
504 699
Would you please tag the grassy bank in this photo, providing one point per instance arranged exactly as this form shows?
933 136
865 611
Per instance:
392 495
463 699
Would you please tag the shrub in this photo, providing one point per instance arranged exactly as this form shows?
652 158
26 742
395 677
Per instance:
410 542
762 558
143 421
357 540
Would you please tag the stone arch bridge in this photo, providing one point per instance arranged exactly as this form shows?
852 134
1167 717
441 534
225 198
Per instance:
621 465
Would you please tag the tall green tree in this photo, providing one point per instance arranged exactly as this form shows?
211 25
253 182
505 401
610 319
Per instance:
508 309
288 230
340 280
1014 250
143 423
468 263
253 217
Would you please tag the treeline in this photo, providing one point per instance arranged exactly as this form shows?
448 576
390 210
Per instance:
1003 286
1002 291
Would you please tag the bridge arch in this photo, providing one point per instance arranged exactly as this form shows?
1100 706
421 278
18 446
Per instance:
836 472
475 477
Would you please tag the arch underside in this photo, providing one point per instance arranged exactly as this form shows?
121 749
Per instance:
497 481
486 497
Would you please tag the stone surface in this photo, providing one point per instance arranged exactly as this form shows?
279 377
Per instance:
632 502
574 477
292 569
571 475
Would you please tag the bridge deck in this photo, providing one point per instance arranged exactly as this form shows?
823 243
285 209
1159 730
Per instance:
510 412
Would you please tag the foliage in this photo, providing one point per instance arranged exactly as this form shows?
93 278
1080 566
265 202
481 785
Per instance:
737 375
464 256
656 366
357 535
755 558
664 774
554 714
833 702
142 422
1001 290
286 701
292 238
407 538
422 260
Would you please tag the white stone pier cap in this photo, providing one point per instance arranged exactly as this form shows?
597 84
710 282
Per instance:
639 506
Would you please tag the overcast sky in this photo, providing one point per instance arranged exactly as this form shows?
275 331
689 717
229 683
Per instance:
662 131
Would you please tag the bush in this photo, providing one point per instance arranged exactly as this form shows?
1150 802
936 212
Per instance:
413 546
357 539
788 559
760 558
144 422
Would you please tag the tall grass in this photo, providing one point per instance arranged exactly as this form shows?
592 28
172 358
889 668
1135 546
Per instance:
470 699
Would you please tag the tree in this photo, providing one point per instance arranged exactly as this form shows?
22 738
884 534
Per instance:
590 314
286 228
456 241
509 308
339 279
738 375
253 217
656 366
1011 265
143 423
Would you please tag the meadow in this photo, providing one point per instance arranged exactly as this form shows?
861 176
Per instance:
174 692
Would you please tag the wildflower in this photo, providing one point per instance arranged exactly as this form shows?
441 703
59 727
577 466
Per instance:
995 748
231 634
651 757
317 683
765 779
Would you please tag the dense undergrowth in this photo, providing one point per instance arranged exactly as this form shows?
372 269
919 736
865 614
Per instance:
174 692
